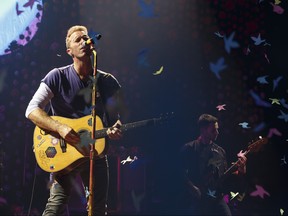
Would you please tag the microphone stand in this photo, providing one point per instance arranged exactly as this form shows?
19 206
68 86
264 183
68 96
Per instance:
92 145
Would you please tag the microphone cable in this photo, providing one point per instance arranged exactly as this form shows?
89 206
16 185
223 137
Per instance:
32 192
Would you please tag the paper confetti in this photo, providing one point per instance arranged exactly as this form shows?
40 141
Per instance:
244 124
211 193
230 43
159 71
129 160
233 195
274 101
217 67
221 107
257 40
259 192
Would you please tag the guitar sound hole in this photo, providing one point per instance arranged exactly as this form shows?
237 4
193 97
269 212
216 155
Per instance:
82 132
85 137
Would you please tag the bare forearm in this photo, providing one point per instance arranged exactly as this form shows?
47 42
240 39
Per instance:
40 118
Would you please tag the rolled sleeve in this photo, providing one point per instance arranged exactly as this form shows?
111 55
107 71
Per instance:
40 99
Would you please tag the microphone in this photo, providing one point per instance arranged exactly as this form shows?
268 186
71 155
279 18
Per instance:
90 41
98 36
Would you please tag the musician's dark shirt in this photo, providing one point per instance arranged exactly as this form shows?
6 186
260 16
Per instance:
204 165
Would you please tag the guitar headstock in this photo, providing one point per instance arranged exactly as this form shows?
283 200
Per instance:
255 146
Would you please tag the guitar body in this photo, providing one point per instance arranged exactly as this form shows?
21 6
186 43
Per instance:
47 146
53 154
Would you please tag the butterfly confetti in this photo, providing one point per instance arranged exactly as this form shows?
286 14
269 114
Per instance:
277 9
267 44
226 198
159 71
230 43
284 160
259 127
260 191
277 2
129 160
244 125
274 101
218 34
211 193
147 9
266 56
283 116
258 100
262 79
274 131
87 193
233 195
217 67
221 107
276 82
283 103
17 9
241 153
257 40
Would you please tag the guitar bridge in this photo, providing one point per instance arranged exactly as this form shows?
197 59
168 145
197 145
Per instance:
63 145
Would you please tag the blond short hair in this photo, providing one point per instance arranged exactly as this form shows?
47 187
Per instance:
72 30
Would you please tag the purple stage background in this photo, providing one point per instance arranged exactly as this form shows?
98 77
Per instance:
230 53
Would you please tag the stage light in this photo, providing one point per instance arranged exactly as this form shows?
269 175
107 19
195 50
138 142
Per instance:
19 21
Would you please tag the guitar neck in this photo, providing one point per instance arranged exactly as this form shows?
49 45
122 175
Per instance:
125 127
234 164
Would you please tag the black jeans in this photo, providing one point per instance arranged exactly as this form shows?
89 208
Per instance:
60 190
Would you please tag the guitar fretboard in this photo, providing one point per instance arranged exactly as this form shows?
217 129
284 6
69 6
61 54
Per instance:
125 127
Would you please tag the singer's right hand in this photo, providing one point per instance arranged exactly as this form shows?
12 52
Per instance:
68 134
73 138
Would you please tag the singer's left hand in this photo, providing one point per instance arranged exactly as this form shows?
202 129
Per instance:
115 132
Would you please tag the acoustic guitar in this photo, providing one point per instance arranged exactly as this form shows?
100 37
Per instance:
53 154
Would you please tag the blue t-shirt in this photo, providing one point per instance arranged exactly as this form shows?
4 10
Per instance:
73 97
